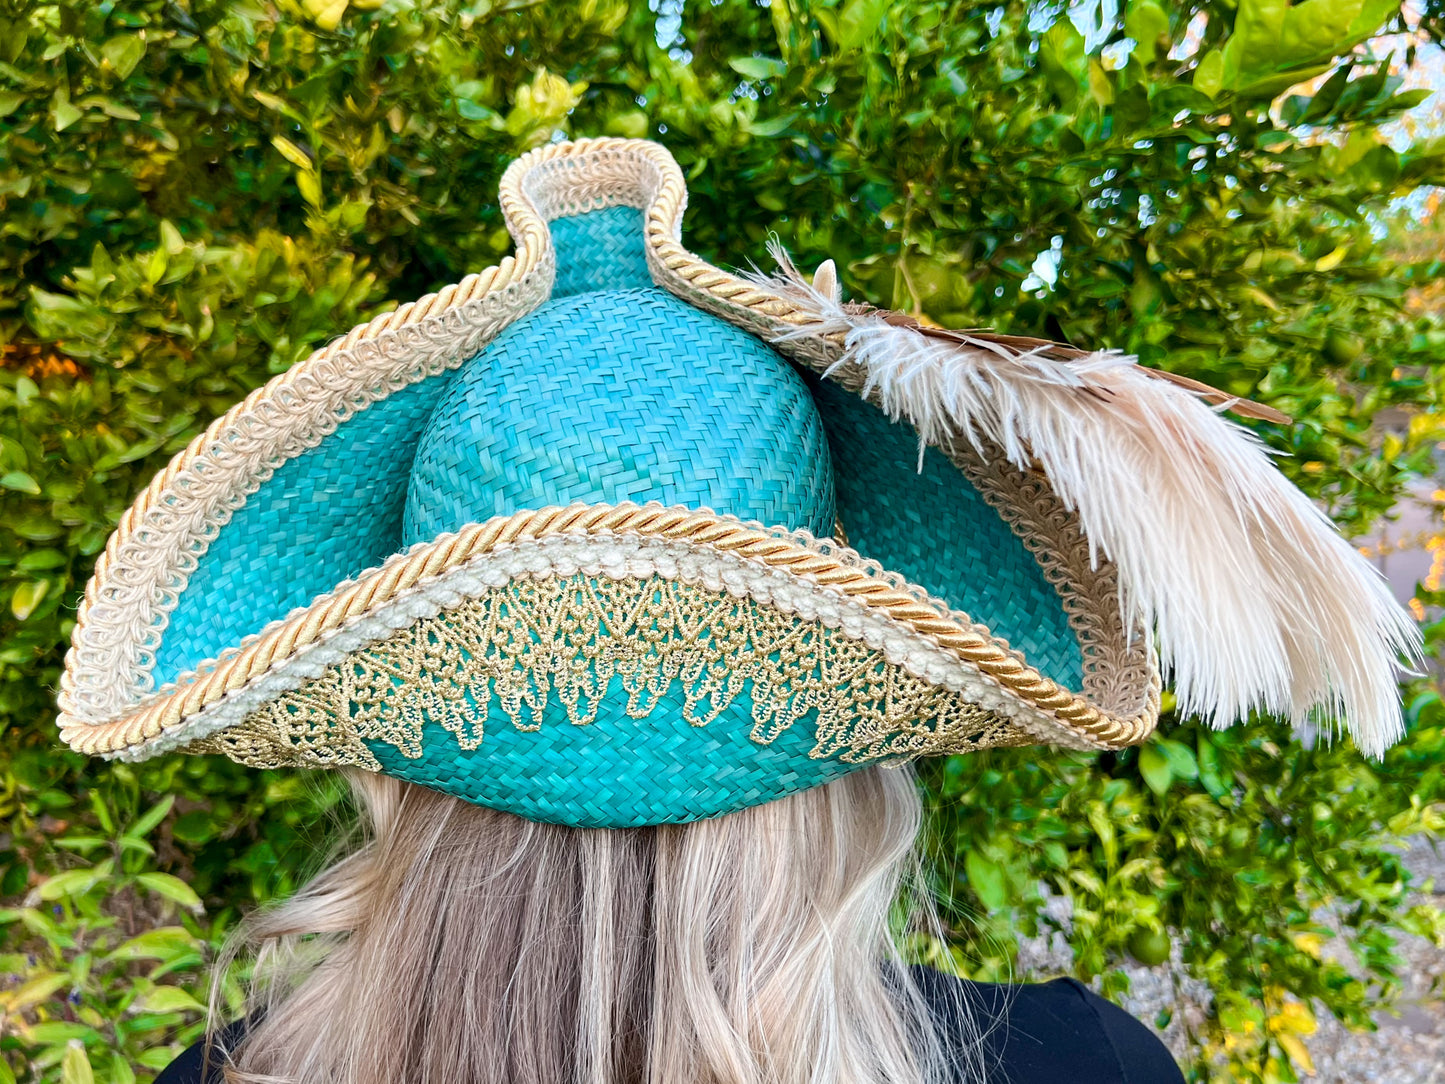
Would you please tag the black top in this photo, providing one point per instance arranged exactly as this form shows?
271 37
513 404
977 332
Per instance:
1058 1032
1050 1033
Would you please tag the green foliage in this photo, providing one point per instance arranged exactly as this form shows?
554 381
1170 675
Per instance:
194 195
105 942
1238 844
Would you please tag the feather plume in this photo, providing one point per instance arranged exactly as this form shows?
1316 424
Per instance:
1257 601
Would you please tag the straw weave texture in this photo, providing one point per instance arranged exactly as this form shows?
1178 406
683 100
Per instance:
639 700
937 530
623 395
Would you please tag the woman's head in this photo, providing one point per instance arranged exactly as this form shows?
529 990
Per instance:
459 944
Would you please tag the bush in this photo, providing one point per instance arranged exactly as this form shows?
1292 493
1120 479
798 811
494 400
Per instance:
196 195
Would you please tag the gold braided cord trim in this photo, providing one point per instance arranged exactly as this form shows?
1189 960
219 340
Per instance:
820 562
586 645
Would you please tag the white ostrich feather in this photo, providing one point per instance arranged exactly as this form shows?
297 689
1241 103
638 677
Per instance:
1256 600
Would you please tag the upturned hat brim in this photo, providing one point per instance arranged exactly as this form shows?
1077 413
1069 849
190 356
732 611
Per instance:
693 609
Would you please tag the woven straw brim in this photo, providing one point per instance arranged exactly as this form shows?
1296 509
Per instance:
950 685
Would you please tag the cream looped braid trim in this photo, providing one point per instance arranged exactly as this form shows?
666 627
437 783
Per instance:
159 540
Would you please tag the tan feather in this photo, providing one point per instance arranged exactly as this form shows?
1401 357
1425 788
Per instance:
1055 351
1255 599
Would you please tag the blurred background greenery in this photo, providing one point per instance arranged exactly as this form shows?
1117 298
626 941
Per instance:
195 194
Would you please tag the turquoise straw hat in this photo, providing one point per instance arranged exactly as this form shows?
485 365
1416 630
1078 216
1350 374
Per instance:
607 536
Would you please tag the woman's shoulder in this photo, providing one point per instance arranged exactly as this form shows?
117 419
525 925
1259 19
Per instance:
1032 1034
191 1065
1052 1031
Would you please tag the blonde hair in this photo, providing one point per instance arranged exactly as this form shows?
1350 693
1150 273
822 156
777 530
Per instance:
459 945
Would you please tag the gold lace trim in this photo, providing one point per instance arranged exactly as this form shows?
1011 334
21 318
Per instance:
603 647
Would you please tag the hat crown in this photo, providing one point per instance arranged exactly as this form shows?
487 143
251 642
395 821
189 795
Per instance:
617 391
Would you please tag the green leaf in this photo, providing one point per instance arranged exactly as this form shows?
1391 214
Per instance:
83 844
1373 15
270 101
75 1065
1314 30
859 21
309 185
75 882
171 239
28 597
136 845
21 482
63 317
10 101
1208 760
1258 27
43 560
123 53
1154 767
1064 59
156 263
757 67
101 809
1209 73
172 888
157 1057
1146 23
1325 98
162 943
773 127
1271 86
170 999
63 113
1409 99
112 108
291 152
987 879
152 817
631 124
197 826
60 1031
1100 89
326 13
1179 756
33 991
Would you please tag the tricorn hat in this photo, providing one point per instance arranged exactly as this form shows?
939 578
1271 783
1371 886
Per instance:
605 535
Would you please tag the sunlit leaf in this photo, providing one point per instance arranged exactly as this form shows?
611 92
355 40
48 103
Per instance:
1154 767
757 67
75 1066
33 991
171 999
172 888
27 597
326 14
291 152
158 944
859 21
123 53
987 879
